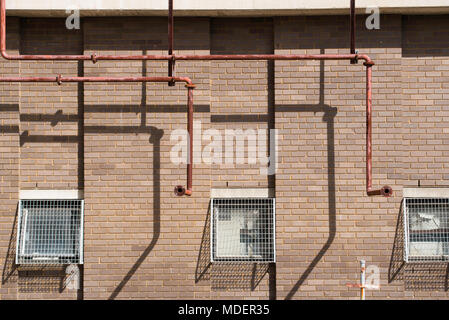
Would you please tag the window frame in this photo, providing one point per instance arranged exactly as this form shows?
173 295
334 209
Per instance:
407 234
240 259
21 234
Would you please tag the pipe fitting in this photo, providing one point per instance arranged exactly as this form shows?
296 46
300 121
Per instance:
59 79
93 57
180 191
386 191
190 86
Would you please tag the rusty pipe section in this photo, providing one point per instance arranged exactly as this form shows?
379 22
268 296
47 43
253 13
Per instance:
180 190
385 191
171 58
59 79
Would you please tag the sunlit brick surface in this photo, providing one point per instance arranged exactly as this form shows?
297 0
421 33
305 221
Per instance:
114 141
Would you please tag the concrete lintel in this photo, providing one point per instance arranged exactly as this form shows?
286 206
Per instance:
51 194
425 192
243 193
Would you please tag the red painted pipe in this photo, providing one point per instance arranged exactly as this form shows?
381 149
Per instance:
180 190
171 62
170 57
385 191
60 79
352 23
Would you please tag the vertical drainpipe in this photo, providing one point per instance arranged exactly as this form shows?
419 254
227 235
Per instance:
180 190
171 62
352 23
385 191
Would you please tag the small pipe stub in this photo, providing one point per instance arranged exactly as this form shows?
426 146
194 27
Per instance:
386 191
180 191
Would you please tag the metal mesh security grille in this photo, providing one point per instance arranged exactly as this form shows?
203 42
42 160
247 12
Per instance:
426 222
50 232
243 230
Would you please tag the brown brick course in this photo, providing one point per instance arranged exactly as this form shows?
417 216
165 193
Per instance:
114 142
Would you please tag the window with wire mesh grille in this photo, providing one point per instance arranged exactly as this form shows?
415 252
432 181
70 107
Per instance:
50 232
243 230
426 229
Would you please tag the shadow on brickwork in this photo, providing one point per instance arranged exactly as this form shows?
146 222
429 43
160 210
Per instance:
416 276
9 274
397 253
229 275
203 265
31 279
329 118
238 276
422 37
41 279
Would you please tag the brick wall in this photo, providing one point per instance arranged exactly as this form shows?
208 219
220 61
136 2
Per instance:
114 141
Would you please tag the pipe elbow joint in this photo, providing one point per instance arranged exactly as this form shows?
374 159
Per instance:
368 62
181 191
5 55
385 191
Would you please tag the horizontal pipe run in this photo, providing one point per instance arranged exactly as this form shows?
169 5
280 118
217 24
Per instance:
179 190
385 191
171 58
59 79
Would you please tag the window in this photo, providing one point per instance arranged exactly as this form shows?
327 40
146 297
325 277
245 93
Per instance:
243 230
426 225
50 232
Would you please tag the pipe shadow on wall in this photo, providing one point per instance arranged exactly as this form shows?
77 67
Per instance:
239 275
328 117
229 275
243 274
416 276
155 139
